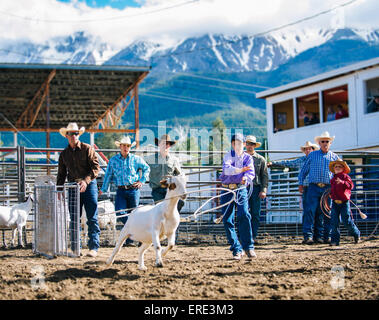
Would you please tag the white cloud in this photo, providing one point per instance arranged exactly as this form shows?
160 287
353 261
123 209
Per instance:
38 20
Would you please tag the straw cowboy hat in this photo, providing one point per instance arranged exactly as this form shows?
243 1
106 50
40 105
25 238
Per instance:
324 136
253 139
309 144
71 127
165 137
346 168
125 140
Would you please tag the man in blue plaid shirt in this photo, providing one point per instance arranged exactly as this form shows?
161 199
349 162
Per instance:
298 163
123 168
316 226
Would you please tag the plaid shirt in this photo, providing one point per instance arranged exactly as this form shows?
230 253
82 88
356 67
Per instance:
124 171
317 167
296 164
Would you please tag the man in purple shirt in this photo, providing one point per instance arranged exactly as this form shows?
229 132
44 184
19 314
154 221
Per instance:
237 173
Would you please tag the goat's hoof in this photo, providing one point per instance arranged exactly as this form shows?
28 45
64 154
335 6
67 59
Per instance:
142 268
159 265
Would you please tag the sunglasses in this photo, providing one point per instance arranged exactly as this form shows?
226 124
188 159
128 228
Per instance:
324 141
126 145
73 133
250 143
338 166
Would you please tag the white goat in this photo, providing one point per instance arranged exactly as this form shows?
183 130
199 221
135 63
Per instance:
106 217
153 223
15 218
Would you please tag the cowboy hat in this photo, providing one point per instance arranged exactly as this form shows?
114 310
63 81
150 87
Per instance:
324 136
346 168
71 127
125 140
253 139
239 137
165 137
309 144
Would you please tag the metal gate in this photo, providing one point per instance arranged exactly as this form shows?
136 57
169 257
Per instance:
56 219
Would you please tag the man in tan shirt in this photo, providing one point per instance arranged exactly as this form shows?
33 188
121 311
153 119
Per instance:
78 163
260 183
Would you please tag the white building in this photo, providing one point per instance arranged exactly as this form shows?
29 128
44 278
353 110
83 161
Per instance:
353 88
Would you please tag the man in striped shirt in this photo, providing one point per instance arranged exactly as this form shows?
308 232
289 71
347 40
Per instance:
124 168
237 173
316 226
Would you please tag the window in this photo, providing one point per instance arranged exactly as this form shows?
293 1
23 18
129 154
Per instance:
335 103
283 115
372 95
308 112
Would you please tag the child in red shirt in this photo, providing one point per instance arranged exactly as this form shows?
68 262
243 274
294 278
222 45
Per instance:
340 193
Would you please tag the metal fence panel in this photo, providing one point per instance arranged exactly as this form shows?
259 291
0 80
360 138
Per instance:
56 220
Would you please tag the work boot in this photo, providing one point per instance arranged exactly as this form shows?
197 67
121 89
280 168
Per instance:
92 253
308 241
250 254
238 255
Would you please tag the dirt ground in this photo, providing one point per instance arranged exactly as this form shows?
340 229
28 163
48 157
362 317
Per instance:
284 269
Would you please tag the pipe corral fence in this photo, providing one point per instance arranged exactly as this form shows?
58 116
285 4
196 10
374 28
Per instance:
281 211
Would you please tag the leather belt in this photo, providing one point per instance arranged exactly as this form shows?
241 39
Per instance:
321 185
338 201
128 187
231 186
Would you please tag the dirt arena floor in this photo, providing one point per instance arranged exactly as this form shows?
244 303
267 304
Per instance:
284 269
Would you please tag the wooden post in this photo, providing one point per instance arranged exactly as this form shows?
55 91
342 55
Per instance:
136 115
48 126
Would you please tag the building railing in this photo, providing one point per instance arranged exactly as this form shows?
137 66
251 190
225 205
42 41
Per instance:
281 213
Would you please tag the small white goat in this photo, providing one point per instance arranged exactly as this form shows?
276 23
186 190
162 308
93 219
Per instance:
15 218
106 217
152 223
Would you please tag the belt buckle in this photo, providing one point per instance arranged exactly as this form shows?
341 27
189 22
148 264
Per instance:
232 186
321 185
338 201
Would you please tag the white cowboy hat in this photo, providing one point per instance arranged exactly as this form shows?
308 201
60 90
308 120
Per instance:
71 127
253 139
324 136
125 140
309 144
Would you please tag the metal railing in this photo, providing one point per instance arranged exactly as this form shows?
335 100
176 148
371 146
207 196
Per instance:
281 212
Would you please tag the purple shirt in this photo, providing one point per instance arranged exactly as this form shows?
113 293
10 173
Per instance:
232 165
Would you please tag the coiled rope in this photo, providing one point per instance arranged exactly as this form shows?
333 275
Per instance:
326 209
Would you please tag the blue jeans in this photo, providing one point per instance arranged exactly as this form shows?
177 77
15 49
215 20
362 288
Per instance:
126 199
255 209
304 200
342 210
160 193
244 222
88 198
315 224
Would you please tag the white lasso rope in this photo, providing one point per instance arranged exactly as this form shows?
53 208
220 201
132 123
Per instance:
195 214
237 200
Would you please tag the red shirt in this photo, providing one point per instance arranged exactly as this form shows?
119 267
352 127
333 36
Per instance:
341 191
342 114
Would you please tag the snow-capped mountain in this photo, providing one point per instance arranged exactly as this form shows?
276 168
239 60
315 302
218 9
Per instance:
220 53
210 52
79 48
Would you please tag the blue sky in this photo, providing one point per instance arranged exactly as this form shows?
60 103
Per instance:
116 4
